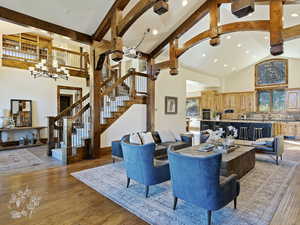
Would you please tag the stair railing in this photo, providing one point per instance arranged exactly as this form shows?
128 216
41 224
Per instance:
67 132
70 132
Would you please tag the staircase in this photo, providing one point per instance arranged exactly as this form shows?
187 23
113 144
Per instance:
70 136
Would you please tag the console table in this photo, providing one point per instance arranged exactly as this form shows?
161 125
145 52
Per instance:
16 129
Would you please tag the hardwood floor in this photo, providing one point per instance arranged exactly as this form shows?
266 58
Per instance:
67 201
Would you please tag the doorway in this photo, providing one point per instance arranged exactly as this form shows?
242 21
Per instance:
66 96
65 102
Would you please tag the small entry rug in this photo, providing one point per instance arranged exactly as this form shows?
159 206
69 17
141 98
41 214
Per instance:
261 192
16 159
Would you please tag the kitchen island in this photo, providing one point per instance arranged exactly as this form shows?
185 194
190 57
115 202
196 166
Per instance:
270 128
247 129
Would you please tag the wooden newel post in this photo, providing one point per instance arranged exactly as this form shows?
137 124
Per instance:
67 128
51 141
132 85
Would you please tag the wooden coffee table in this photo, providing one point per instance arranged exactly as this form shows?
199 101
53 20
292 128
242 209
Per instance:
238 162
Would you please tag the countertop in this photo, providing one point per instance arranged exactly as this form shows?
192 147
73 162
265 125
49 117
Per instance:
253 121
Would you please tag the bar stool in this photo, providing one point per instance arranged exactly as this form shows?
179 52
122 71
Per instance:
243 133
258 133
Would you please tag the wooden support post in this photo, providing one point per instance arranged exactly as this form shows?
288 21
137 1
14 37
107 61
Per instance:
95 103
132 85
51 141
151 97
81 58
276 27
173 57
214 14
117 42
67 131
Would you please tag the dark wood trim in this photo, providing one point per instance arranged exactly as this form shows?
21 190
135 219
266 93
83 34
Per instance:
106 22
20 18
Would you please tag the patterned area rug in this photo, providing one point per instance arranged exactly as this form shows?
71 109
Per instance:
261 192
16 159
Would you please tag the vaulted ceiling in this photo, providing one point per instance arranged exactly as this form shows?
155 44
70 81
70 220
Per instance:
235 52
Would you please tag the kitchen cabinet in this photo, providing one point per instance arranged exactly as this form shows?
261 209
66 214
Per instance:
246 102
293 100
219 103
291 129
208 100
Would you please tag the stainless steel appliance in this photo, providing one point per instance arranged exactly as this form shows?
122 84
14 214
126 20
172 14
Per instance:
206 114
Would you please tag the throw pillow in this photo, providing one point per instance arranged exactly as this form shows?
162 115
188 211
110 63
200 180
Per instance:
176 135
156 137
166 136
147 138
134 138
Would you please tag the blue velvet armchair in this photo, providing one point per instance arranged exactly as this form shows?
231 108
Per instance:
197 180
140 165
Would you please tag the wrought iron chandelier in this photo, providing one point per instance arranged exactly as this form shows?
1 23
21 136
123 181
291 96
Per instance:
49 69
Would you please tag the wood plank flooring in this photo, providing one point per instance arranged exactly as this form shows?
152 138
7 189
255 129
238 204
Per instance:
67 201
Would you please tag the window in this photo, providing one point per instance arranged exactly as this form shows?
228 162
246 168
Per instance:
271 100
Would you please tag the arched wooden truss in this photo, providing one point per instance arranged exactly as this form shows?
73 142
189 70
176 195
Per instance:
274 26
289 33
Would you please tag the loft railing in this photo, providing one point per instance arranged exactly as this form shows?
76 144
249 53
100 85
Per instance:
72 60
70 132
25 50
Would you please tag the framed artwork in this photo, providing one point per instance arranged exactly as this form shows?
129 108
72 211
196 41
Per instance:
271 72
21 112
171 105
193 107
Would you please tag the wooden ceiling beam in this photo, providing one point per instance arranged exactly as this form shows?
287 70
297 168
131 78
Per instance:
265 2
136 12
276 27
201 12
106 22
291 33
214 13
22 19
257 25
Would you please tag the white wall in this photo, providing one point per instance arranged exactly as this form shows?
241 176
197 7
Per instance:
175 86
18 84
133 120
244 80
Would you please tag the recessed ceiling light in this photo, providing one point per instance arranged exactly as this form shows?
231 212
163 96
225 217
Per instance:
154 32
184 3
294 15
225 65
228 37
239 45
203 54
247 51
216 60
